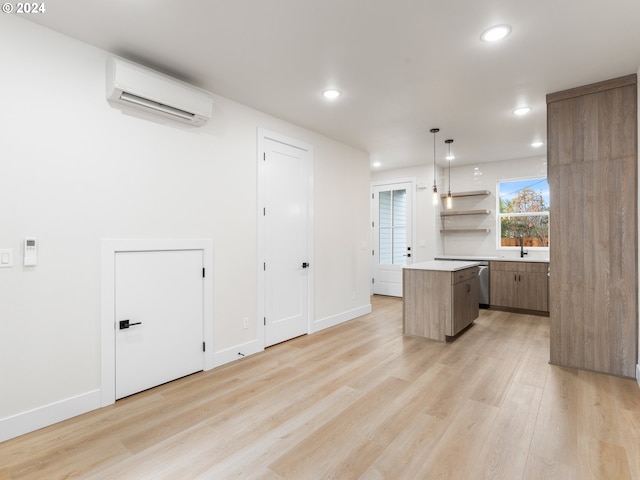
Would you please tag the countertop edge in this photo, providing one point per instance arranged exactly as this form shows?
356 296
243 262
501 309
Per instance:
473 258
442 265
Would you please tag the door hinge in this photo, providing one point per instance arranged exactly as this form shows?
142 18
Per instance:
265 320
264 212
203 272
264 156
264 266
372 195
373 252
204 348
373 280
372 224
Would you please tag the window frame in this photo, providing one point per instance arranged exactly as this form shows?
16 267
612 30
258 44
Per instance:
500 216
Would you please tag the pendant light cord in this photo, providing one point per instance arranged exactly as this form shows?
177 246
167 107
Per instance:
449 142
434 159
434 131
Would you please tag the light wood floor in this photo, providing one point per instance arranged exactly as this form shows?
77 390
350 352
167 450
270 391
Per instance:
360 401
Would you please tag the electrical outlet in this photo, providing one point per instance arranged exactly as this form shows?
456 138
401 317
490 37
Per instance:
245 322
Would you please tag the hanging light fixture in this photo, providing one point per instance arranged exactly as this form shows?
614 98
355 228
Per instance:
435 185
449 157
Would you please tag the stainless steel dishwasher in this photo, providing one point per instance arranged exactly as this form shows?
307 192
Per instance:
483 284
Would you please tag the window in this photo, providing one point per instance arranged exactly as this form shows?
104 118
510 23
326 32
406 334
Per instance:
393 227
523 207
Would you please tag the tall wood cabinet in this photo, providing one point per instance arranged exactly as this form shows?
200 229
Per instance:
592 163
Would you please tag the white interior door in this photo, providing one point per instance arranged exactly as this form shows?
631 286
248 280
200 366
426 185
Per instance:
392 234
286 173
160 295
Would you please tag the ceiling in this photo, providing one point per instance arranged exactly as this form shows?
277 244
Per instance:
403 66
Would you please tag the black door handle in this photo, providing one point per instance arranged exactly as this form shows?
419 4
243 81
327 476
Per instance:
305 265
125 324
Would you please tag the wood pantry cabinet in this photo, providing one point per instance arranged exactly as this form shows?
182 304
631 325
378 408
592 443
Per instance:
592 154
439 303
519 285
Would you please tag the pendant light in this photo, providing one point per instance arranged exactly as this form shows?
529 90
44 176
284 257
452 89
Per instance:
449 157
435 185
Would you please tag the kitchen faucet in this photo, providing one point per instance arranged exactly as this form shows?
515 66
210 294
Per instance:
522 252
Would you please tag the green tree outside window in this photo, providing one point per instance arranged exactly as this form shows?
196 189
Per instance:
524 211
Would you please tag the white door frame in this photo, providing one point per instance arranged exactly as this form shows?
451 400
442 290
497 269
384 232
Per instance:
382 183
112 246
263 136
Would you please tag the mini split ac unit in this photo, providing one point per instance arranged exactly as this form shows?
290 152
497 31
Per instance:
136 87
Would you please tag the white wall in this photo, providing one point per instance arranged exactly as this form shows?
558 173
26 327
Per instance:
74 170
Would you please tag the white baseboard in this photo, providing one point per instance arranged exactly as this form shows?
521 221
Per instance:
235 353
341 318
25 422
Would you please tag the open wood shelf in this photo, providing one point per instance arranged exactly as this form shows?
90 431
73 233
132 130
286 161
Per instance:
474 193
463 230
451 213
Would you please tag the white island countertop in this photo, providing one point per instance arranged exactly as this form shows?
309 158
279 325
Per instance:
442 266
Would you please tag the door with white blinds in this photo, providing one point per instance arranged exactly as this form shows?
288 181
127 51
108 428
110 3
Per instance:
392 234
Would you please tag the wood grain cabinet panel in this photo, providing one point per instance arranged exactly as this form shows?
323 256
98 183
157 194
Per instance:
592 170
465 304
533 291
503 288
439 304
519 285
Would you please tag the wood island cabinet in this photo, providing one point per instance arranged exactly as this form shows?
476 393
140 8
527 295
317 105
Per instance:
465 299
439 303
519 285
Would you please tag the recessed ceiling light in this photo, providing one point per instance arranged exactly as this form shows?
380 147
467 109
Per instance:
331 93
450 157
376 164
537 144
521 111
493 34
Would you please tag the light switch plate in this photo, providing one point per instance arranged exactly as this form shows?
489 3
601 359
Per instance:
6 258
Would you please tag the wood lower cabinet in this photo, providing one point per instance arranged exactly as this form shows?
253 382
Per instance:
519 285
465 302
439 304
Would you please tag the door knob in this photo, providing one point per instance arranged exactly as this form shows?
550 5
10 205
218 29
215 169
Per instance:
305 265
125 324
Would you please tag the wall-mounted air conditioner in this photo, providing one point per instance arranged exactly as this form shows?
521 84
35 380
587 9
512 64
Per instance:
137 87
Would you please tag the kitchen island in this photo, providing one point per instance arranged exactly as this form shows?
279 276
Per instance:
440 298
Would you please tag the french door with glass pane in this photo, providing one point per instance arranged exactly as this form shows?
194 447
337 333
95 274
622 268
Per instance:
392 234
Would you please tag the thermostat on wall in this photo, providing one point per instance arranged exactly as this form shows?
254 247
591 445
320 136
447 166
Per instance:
30 251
